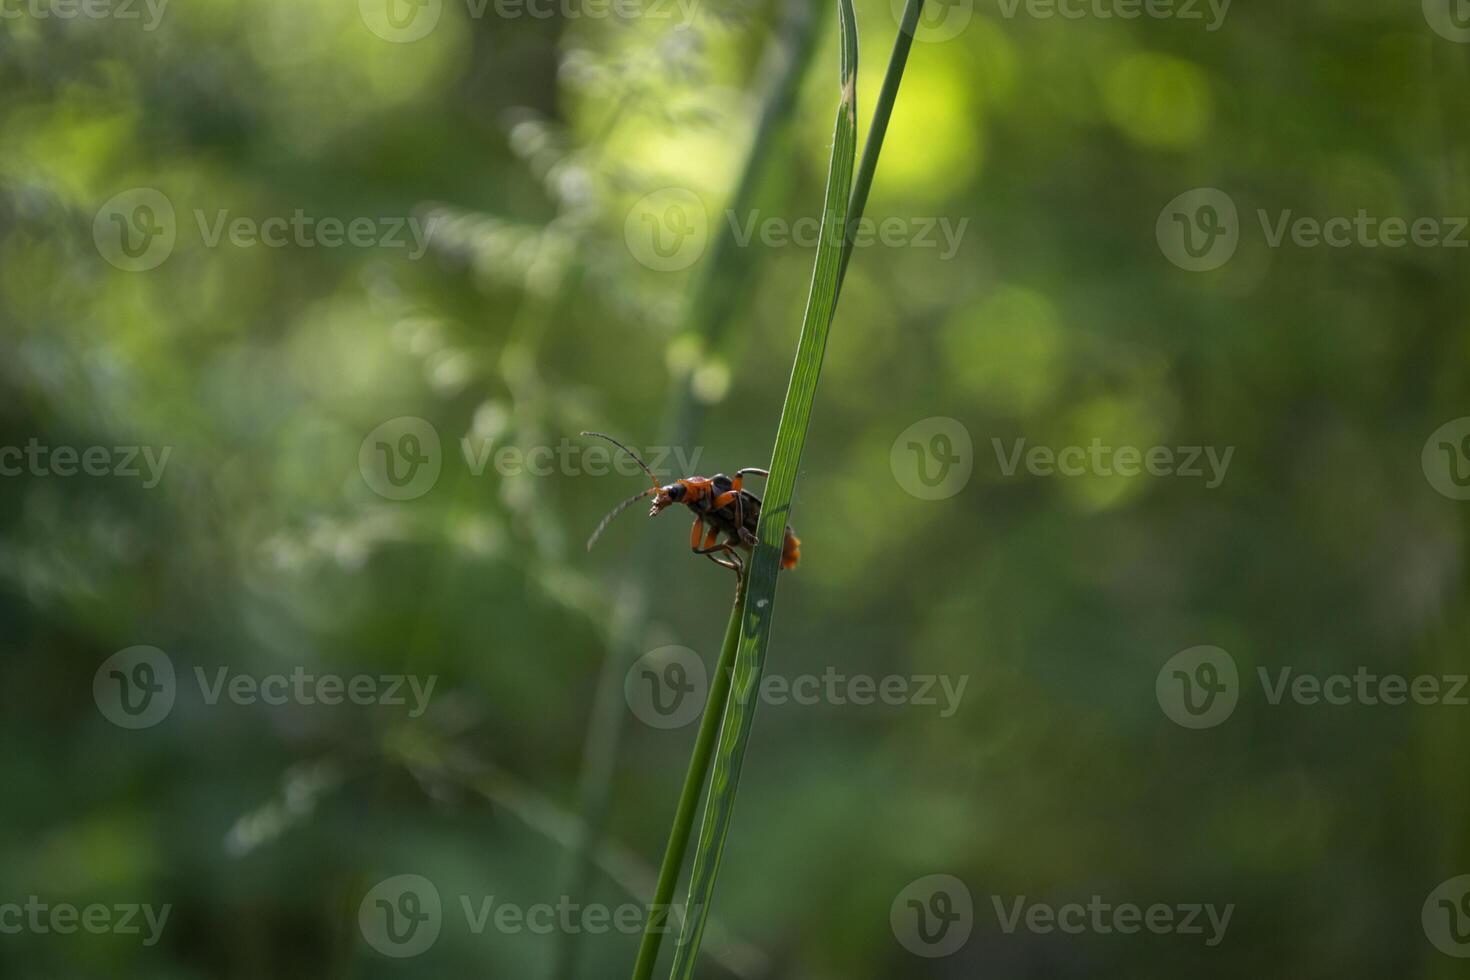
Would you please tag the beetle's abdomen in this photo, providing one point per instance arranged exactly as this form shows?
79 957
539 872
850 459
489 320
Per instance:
790 549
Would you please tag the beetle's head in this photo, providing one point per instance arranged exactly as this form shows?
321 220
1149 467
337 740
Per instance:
666 495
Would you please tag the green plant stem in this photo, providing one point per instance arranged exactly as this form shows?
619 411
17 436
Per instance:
841 211
775 512
704 746
712 305
887 97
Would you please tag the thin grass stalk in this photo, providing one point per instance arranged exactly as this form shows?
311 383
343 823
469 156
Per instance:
764 565
878 129
845 202
712 304
704 745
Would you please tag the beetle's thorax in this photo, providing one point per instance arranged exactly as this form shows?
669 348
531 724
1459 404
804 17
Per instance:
687 491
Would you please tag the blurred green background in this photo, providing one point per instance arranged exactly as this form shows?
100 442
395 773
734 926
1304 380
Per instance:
539 300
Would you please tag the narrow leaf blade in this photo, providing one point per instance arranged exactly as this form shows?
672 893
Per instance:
775 512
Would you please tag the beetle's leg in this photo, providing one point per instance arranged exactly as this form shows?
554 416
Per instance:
713 548
711 542
732 561
733 495
746 538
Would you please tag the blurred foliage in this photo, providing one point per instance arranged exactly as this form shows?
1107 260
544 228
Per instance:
524 143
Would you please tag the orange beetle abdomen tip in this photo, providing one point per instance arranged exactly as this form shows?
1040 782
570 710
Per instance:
791 550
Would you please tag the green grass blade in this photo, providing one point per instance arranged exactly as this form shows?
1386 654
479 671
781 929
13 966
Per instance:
707 317
878 128
704 743
764 564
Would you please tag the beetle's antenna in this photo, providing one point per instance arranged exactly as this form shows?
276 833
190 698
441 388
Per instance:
602 526
630 452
